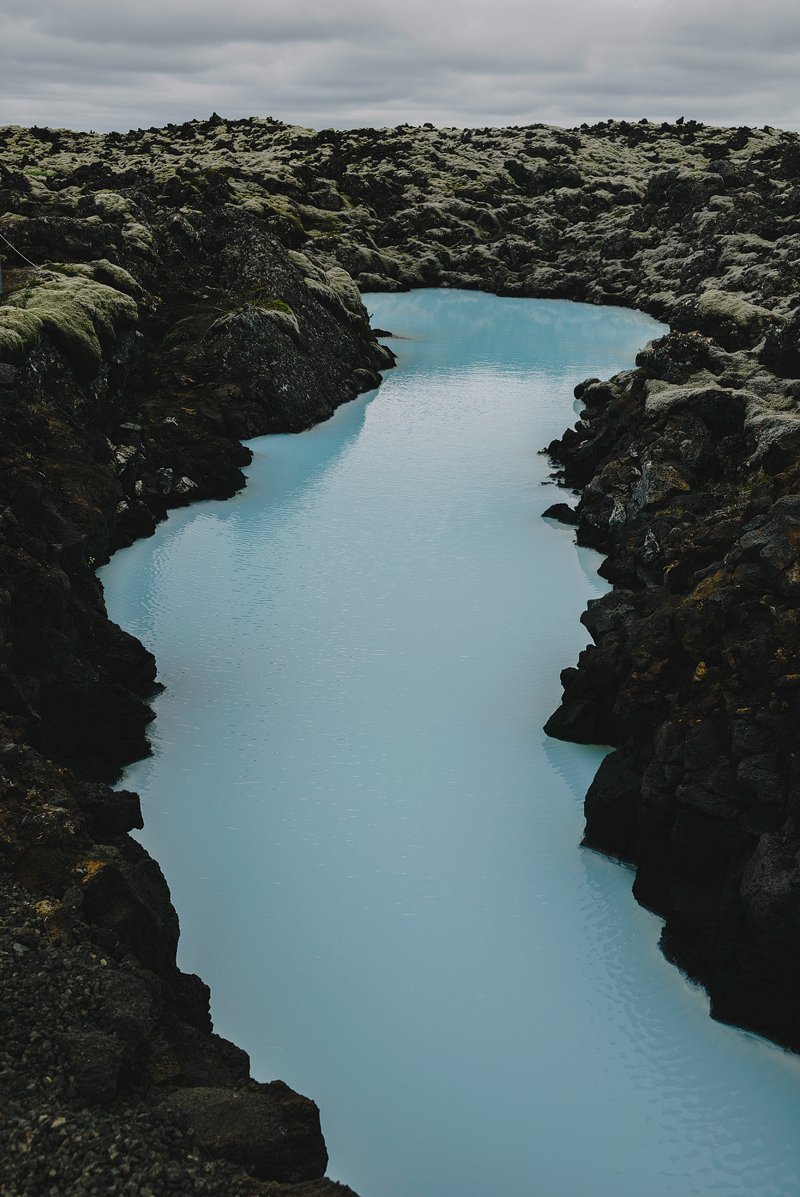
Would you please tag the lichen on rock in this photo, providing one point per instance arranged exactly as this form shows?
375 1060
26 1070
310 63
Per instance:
81 316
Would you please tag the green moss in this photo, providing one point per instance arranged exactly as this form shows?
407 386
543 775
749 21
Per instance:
259 297
319 220
102 271
276 305
307 268
250 203
196 321
731 307
284 318
137 235
323 292
111 203
18 332
80 315
116 277
252 314
284 207
345 288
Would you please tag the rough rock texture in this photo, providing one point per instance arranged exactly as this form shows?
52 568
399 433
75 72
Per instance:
198 284
129 369
694 674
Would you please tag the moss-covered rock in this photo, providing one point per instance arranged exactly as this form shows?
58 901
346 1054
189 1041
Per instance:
81 316
19 330
732 318
232 248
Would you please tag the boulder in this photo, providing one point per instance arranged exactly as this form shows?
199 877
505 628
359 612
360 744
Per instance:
267 1128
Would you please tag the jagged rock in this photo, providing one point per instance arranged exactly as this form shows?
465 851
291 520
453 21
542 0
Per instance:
691 660
561 512
166 477
267 1128
656 484
770 890
127 895
731 319
94 1060
197 295
111 812
191 1057
612 804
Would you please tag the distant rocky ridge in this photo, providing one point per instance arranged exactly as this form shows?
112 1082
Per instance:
199 284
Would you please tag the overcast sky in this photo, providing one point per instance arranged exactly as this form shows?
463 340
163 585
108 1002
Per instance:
120 64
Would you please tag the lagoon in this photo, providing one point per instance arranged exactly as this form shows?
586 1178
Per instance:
373 848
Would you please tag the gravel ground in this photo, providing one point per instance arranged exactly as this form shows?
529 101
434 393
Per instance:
60 1133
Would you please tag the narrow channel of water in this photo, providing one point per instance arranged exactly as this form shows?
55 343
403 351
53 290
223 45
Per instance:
372 846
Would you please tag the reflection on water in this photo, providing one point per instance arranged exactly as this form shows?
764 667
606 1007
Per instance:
371 844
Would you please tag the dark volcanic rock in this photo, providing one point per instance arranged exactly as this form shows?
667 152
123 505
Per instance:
693 671
198 285
268 1128
612 805
174 322
561 512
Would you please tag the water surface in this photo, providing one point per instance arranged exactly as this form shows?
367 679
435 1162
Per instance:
372 846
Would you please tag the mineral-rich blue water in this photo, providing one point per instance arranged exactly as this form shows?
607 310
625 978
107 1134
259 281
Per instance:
372 846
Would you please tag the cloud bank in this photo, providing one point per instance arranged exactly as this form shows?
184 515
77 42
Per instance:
102 65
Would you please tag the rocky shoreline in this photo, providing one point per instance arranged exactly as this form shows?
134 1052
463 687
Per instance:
129 372
199 284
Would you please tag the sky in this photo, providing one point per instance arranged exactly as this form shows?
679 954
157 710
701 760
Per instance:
121 64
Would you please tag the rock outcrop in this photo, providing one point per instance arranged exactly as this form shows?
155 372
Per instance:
694 671
129 370
198 284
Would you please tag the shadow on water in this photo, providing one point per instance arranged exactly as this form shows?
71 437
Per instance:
292 476
575 764
314 455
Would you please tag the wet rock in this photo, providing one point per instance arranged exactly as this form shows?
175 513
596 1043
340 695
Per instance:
193 1058
562 513
691 653
609 615
612 805
111 812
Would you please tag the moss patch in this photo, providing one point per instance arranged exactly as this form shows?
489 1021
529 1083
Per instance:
81 316
18 332
102 271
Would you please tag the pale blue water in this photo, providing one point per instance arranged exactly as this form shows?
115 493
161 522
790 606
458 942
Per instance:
372 846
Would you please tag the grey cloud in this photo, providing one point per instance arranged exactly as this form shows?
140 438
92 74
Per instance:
179 23
91 63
